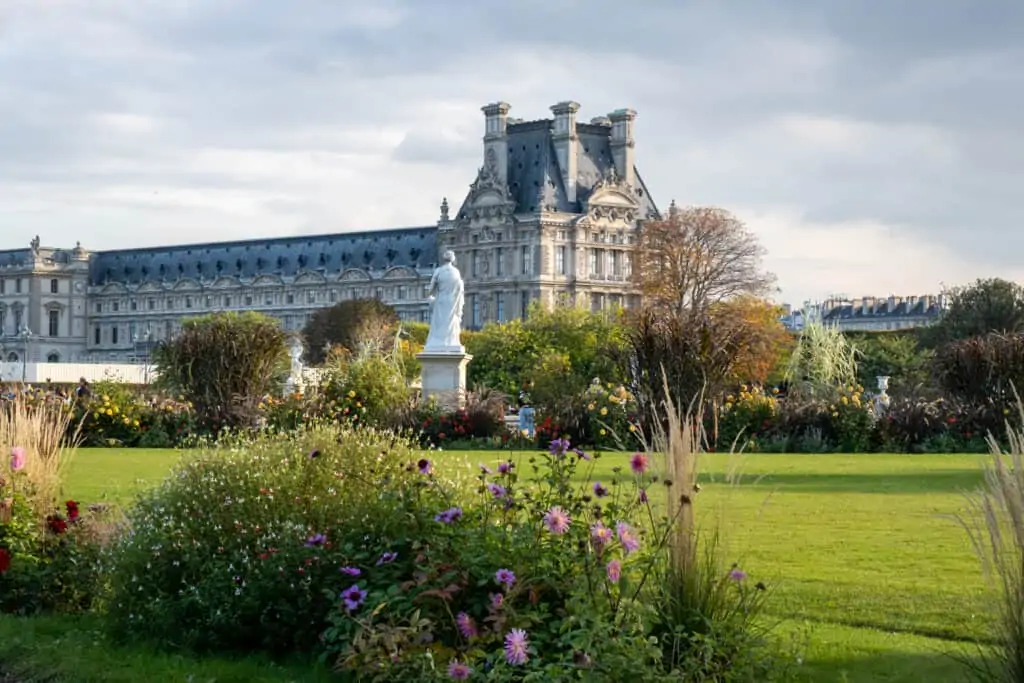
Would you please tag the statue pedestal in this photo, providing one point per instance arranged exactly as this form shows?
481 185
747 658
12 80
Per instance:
444 377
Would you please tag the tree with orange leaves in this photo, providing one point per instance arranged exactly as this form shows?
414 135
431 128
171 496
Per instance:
696 257
766 343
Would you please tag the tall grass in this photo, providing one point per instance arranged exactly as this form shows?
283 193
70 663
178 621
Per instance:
823 360
709 618
995 523
45 432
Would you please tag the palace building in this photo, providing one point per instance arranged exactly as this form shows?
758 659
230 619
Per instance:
551 217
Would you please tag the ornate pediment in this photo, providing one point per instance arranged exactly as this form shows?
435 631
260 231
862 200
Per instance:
400 273
489 196
308 277
354 274
612 200
54 306
150 287
187 285
268 281
225 282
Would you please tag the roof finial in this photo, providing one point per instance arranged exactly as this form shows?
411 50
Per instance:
444 210
673 210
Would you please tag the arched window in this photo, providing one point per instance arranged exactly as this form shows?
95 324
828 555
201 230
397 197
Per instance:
12 357
53 357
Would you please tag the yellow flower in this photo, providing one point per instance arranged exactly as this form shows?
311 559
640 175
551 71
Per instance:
604 411
835 414
351 394
844 400
743 387
106 399
136 423
729 399
126 420
359 404
775 390
602 432
632 428
590 406
109 411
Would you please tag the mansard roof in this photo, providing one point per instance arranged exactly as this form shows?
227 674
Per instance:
282 257
535 178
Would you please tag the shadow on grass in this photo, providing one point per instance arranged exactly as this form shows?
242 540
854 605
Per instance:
928 481
887 667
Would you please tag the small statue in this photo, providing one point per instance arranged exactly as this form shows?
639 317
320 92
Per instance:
295 380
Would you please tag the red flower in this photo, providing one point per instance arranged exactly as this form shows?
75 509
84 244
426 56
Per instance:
72 508
5 560
56 524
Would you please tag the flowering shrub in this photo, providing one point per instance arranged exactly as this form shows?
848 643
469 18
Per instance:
118 415
746 416
482 418
612 416
236 548
370 389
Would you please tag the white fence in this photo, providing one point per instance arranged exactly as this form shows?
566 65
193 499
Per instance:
71 373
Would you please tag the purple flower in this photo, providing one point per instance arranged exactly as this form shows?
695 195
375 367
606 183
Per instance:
353 597
449 516
314 454
601 534
614 571
581 454
516 644
627 537
497 490
17 458
643 496
316 540
505 576
424 466
497 600
557 521
505 467
737 574
351 571
638 463
387 558
457 671
467 627
600 490
486 470
559 447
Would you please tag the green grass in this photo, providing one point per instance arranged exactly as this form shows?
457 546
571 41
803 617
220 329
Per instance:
861 551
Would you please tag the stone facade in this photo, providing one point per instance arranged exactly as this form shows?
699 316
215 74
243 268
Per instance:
872 314
551 217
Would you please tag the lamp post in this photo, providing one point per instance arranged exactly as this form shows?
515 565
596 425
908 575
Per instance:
26 335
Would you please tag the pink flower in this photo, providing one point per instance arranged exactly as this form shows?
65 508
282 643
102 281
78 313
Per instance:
497 600
601 534
614 571
516 645
627 537
17 458
737 574
457 671
467 627
557 521
638 463
505 576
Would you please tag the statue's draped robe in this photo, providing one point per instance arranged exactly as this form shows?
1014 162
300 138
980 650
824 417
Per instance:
447 296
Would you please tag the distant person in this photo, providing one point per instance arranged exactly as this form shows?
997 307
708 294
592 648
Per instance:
83 391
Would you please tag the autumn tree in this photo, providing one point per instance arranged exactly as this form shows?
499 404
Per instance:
353 324
766 343
696 257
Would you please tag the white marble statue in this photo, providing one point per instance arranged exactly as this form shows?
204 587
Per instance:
295 382
447 296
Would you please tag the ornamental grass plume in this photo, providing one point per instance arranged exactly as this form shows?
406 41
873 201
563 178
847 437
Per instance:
995 524
42 439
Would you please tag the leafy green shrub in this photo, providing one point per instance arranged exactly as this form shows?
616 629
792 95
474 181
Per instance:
236 550
372 388
745 418
117 414
223 365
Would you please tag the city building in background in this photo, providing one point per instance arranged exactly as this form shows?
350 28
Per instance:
869 314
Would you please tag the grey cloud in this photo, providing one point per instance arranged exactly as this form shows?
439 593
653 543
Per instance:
320 86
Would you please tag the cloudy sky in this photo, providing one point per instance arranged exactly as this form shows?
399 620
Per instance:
871 150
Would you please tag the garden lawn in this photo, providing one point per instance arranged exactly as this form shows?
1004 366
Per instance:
861 552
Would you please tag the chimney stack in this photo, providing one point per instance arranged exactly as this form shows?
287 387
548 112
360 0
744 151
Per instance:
565 140
496 137
623 144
